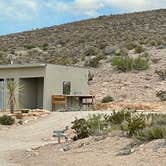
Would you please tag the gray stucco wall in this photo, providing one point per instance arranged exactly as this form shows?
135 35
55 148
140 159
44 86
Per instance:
18 73
55 75
31 94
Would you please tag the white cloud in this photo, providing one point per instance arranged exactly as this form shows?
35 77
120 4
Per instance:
18 9
25 10
92 7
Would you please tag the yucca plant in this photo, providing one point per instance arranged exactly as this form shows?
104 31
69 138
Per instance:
11 86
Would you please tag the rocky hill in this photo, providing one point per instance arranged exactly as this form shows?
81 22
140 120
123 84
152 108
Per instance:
94 43
69 43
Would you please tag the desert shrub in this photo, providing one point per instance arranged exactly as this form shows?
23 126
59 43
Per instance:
126 64
123 64
45 46
7 120
25 111
136 123
158 119
121 52
145 55
153 43
161 74
140 64
94 125
162 95
19 115
98 125
139 49
148 134
29 46
94 62
130 45
81 128
91 63
107 99
91 51
118 117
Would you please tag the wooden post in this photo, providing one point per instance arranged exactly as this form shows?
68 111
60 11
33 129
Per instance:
59 140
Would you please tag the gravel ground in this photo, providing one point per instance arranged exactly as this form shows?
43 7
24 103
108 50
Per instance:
35 134
112 151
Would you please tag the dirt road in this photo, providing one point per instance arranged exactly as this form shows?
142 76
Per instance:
35 134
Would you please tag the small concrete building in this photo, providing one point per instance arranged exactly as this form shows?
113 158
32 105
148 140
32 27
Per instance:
45 86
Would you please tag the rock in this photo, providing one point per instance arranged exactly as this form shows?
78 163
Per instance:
162 95
66 148
28 150
26 121
35 153
109 50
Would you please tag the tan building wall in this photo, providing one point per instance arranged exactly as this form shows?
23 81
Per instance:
56 74
53 77
17 72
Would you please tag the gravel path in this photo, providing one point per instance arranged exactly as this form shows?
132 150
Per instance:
36 133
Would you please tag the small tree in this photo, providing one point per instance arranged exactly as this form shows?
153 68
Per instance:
11 86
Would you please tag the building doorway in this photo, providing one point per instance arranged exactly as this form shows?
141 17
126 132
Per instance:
31 93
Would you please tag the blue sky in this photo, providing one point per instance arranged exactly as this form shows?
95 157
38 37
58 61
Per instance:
22 15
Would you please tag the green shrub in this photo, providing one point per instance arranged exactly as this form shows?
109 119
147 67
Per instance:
140 64
107 99
130 45
153 43
97 125
126 64
148 134
94 125
81 128
158 119
118 117
91 51
29 46
139 49
123 64
136 123
121 52
7 120
45 46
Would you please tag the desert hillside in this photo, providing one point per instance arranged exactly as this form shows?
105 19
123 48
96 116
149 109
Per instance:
95 43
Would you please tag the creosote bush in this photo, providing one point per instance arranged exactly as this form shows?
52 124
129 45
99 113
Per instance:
29 46
107 99
139 49
126 64
7 120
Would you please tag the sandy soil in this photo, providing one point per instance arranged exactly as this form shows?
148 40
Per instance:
37 133
112 151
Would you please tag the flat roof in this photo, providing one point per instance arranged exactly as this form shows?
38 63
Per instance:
21 66
28 65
